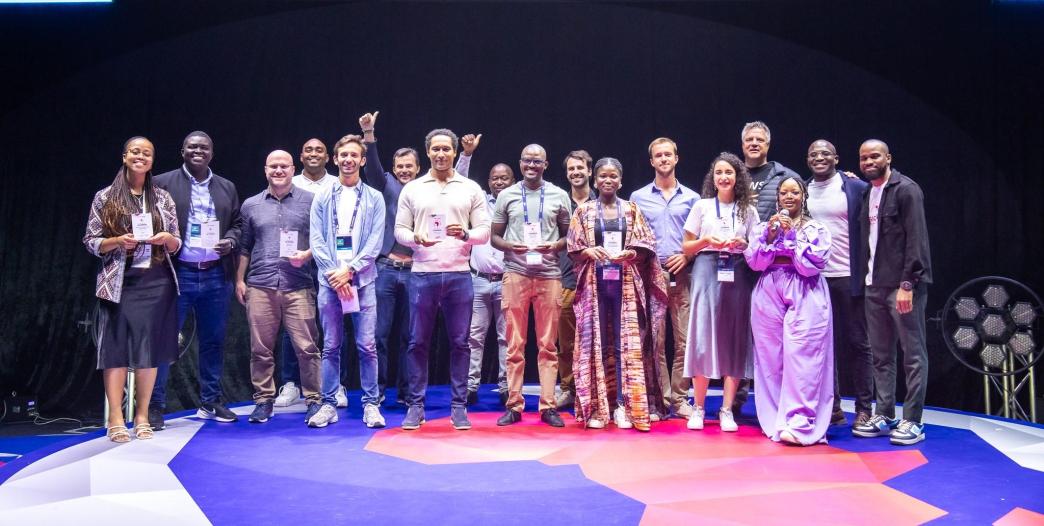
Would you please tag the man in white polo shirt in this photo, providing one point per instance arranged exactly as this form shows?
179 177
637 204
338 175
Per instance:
441 216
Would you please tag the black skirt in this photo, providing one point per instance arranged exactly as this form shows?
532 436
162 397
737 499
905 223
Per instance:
140 332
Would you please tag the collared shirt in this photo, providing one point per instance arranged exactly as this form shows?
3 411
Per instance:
459 201
201 211
666 217
265 217
485 258
324 183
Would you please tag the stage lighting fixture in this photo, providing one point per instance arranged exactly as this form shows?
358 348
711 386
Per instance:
1021 343
993 326
995 296
989 324
967 308
965 338
993 355
1022 314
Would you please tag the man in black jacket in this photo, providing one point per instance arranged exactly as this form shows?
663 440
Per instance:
765 175
898 270
208 216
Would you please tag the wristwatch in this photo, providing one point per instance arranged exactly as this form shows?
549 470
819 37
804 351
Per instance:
906 285
466 235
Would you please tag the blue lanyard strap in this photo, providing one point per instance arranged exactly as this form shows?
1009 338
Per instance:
525 204
717 208
619 216
355 213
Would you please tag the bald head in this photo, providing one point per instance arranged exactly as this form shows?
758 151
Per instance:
822 159
875 161
279 170
500 177
532 165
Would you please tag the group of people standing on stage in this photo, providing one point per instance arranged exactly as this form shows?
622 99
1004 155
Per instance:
762 276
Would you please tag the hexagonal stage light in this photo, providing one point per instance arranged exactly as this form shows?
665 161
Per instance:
993 326
993 355
1022 344
1022 314
967 309
965 338
995 296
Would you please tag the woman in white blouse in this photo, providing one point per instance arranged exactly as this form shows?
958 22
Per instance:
719 340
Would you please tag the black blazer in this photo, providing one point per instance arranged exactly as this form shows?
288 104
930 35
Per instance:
226 206
902 237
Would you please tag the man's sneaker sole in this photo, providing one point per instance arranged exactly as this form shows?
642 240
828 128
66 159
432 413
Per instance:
413 427
324 424
257 420
462 427
907 441
871 434
207 415
375 425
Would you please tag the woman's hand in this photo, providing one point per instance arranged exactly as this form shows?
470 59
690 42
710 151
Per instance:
596 254
624 255
714 242
127 241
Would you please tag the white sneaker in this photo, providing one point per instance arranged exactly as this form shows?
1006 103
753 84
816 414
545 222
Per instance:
696 418
726 421
289 394
342 396
326 415
620 418
372 416
594 423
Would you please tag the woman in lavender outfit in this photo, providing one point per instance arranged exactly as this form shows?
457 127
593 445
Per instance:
790 318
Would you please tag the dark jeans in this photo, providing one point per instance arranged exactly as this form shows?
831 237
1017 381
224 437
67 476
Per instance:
851 345
393 305
290 371
887 327
206 292
610 302
451 292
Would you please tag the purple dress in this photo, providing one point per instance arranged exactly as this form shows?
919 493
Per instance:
793 335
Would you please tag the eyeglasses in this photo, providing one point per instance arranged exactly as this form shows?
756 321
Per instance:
532 162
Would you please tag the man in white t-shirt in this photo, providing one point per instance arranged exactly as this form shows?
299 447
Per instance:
835 200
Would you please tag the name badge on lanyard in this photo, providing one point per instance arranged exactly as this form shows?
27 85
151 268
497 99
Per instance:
141 229
345 251
611 272
531 230
204 235
612 242
726 268
287 243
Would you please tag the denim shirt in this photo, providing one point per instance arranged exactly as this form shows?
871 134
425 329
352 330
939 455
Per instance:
323 234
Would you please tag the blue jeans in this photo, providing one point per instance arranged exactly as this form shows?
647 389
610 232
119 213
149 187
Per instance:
393 305
364 321
484 311
452 292
206 292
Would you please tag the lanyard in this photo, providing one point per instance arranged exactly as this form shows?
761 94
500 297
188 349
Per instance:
358 202
619 216
717 207
525 204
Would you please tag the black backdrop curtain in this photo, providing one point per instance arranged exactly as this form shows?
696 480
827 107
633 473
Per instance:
952 88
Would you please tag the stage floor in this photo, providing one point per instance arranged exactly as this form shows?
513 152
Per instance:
970 470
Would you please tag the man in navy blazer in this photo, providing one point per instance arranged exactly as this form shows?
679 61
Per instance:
835 200
208 208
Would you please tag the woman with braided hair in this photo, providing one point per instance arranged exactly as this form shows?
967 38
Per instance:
136 287
791 321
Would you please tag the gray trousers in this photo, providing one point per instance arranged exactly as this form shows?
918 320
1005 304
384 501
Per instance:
484 309
885 327
851 345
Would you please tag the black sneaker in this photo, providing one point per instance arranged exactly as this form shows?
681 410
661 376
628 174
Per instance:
414 418
551 418
459 417
216 412
313 408
472 397
156 418
262 412
510 417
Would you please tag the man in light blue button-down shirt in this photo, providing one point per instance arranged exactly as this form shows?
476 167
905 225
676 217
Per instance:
666 202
